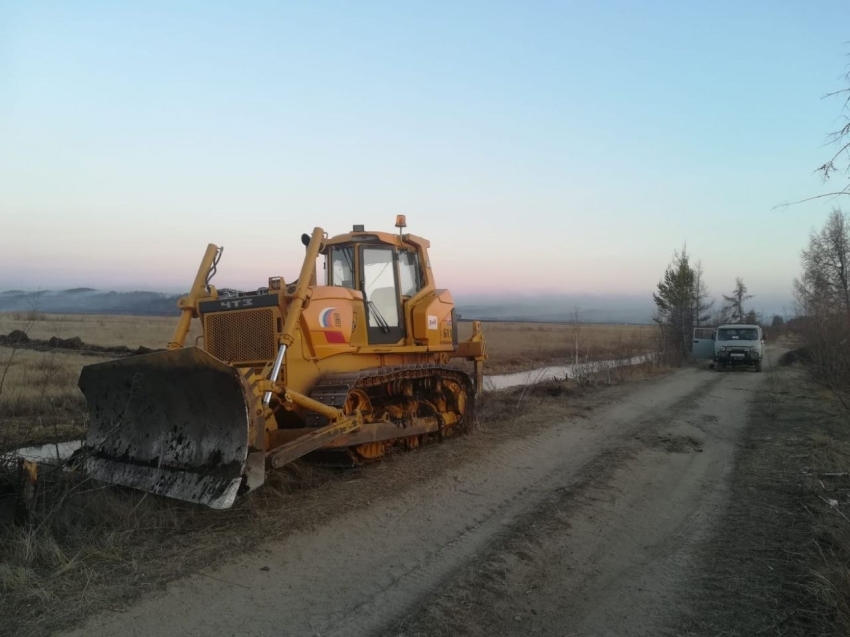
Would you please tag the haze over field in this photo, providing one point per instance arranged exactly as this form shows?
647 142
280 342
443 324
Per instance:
592 308
555 149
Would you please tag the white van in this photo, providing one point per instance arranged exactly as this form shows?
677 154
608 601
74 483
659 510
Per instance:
738 345
730 345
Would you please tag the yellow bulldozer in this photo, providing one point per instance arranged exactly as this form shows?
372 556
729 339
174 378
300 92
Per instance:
354 367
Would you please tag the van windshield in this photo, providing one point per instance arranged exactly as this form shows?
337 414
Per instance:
738 334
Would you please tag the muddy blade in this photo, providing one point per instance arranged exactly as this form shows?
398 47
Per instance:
173 423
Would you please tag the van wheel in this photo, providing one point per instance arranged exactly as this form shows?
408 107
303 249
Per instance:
758 366
719 366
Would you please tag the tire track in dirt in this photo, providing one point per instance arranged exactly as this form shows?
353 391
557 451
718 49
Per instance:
610 555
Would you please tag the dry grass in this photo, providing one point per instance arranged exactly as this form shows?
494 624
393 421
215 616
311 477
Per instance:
516 347
39 398
96 329
87 547
817 430
828 483
543 401
37 382
512 346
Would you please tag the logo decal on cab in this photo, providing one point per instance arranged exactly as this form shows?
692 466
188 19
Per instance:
325 317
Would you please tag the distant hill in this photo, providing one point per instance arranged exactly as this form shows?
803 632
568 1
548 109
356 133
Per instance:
559 308
555 308
510 314
89 301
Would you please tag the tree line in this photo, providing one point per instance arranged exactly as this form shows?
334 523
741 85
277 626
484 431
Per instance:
821 325
683 302
822 295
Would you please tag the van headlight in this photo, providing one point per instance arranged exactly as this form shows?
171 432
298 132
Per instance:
723 348
754 350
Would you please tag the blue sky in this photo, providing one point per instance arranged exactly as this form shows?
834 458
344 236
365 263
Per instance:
540 146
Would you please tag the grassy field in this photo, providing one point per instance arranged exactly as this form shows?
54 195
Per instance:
40 401
39 398
95 329
514 347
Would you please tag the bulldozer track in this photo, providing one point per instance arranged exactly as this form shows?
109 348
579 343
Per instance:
333 389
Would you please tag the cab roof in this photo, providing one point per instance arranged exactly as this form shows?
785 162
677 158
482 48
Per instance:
387 238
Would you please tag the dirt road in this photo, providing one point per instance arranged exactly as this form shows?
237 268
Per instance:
585 527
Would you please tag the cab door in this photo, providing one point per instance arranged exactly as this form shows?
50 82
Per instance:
703 345
379 278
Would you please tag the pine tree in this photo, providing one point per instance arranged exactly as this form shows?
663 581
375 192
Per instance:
681 303
734 310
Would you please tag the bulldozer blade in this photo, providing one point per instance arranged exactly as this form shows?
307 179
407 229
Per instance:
173 423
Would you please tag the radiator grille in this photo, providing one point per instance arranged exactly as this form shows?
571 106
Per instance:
238 336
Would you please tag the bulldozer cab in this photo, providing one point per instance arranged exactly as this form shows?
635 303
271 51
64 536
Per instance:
387 273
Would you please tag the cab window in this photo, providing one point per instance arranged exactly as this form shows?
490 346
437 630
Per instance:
379 287
408 268
342 267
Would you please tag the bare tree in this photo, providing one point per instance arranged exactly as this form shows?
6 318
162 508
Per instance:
823 303
839 164
826 264
734 309
575 334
